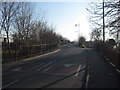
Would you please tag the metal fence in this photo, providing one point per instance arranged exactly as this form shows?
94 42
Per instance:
16 52
110 54
113 57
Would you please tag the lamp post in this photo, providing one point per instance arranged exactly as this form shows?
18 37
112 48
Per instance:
78 25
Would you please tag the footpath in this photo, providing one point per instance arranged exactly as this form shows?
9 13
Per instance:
100 73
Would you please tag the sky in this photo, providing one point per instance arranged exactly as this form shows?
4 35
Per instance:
64 16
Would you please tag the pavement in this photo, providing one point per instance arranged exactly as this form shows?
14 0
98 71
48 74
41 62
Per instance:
101 74
70 67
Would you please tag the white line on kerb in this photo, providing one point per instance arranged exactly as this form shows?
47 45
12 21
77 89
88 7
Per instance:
112 64
44 66
78 70
86 85
11 83
118 70
41 55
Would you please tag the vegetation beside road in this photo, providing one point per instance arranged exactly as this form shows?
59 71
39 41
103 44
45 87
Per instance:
104 19
109 51
26 34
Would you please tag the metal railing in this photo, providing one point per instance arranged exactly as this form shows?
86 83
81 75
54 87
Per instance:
110 54
16 52
113 57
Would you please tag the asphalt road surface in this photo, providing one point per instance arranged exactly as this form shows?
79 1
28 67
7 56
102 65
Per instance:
70 67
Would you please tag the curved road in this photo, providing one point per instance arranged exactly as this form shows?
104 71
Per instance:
70 67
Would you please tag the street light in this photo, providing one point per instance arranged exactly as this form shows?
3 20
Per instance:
78 25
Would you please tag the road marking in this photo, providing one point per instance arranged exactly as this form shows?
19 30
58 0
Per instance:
44 66
11 83
49 68
17 69
107 59
20 63
37 66
112 64
78 70
118 70
63 45
56 74
86 85
68 65
41 55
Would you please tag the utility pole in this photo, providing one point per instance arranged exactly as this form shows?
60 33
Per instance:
103 23
118 31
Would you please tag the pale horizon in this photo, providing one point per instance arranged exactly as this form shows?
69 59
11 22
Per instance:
64 16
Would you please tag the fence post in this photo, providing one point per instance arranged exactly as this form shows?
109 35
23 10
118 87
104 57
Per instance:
30 50
48 47
118 60
54 46
15 52
20 51
41 49
3 54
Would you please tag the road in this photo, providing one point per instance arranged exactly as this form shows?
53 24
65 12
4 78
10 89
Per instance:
43 71
70 67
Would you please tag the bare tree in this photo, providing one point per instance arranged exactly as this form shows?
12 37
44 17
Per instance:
111 15
96 17
8 11
23 21
33 31
95 34
114 19
0 17
82 40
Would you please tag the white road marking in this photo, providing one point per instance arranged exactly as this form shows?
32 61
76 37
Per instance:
44 66
11 83
21 63
49 68
68 65
57 74
41 55
118 70
17 69
112 64
86 85
107 58
37 66
78 70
